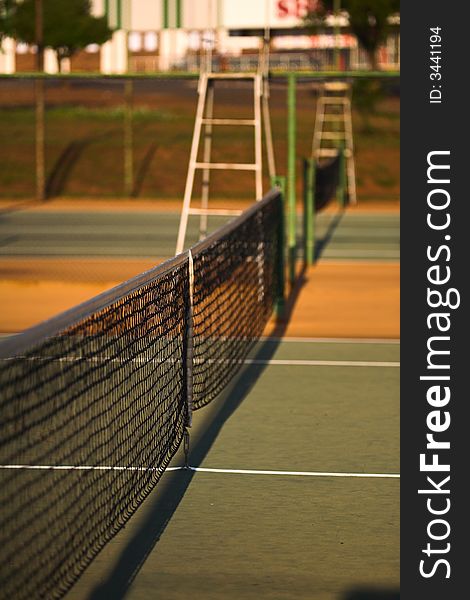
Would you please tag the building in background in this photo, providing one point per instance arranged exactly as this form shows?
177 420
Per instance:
165 35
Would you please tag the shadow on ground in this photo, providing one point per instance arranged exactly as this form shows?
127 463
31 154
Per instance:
323 242
172 488
143 169
62 169
371 594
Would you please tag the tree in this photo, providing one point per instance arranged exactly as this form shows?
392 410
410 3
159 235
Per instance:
68 26
6 7
368 19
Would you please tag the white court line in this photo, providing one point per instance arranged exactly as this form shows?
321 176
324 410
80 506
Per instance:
84 468
349 252
360 262
308 340
246 361
321 363
199 470
295 473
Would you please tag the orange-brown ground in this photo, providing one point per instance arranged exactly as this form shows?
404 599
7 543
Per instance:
142 205
349 299
32 290
337 299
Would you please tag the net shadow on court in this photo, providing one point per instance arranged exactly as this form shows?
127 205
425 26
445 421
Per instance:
375 594
175 484
323 242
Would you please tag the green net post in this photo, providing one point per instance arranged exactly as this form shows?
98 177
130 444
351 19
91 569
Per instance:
291 175
342 181
309 210
280 182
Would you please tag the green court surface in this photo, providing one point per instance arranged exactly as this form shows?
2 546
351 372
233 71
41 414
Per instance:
153 234
358 236
325 533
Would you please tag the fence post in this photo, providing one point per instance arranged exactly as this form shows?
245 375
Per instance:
128 138
40 138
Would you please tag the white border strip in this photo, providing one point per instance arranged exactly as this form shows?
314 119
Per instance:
321 363
198 470
84 468
295 473
361 253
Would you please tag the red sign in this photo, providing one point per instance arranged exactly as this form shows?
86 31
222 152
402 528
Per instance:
295 8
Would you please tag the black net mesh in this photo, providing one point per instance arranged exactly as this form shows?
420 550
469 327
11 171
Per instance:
235 288
94 403
107 396
326 181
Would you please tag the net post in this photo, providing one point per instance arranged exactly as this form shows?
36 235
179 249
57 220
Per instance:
309 210
291 175
280 183
189 359
341 189
186 440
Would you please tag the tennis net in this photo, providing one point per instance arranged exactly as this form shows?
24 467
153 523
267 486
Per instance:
94 403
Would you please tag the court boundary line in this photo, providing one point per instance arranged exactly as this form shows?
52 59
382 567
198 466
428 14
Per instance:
362 255
202 470
246 361
361 262
320 363
295 473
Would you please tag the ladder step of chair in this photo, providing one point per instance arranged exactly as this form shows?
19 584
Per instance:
220 212
333 117
227 166
252 122
336 86
333 135
326 152
231 75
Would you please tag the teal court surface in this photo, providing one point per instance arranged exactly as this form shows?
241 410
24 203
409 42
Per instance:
54 233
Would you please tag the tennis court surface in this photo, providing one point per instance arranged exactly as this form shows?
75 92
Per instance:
321 533
292 489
